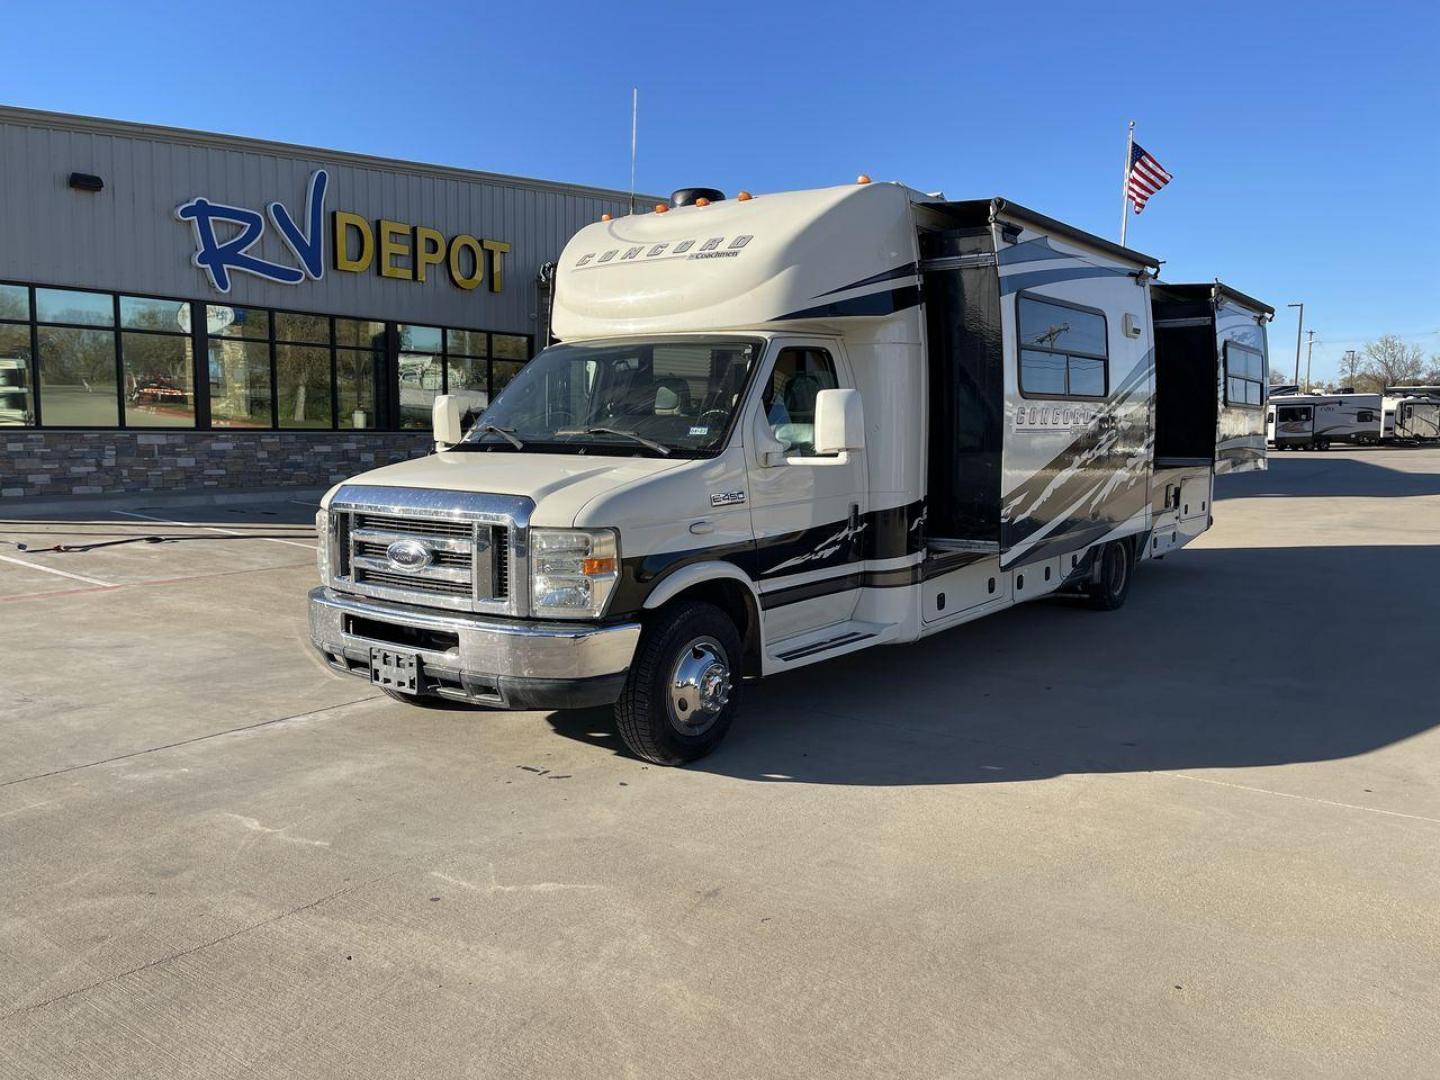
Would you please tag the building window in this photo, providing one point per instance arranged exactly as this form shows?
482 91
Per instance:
359 358
157 362
17 373
1244 375
75 358
422 373
1063 349
238 350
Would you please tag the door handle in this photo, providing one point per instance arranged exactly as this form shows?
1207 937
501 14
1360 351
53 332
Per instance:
701 528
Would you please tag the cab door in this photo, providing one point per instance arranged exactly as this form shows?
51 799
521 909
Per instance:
807 509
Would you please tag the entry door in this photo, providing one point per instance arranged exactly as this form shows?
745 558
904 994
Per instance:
809 513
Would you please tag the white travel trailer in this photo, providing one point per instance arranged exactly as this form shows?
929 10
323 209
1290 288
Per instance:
1314 421
782 429
1412 413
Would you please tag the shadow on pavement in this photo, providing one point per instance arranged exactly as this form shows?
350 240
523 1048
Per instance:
1221 658
1326 474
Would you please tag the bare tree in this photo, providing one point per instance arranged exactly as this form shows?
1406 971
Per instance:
1350 368
1391 362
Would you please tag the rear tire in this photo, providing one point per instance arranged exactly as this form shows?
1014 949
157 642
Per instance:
1112 584
684 685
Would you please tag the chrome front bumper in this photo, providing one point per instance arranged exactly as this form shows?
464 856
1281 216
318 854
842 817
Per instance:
505 663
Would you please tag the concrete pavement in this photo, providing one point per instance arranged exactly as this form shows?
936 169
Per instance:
1194 837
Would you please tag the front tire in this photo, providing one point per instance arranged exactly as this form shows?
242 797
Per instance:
683 688
1112 584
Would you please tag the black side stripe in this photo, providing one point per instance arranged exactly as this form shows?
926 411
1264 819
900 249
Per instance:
876 303
898 578
908 270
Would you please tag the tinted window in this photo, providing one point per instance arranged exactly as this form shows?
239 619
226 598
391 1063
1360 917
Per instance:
789 399
77 377
14 302
1063 350
1067 329
1244 375
65 306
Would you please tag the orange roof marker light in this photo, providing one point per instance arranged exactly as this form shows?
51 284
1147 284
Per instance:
605 217
744 196
702 201
862 179
661 208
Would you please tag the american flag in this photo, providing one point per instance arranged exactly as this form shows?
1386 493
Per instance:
1147 176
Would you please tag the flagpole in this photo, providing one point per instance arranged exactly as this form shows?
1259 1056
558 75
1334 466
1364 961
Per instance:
1125 184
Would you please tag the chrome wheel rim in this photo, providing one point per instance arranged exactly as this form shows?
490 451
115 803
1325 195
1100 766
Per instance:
699 686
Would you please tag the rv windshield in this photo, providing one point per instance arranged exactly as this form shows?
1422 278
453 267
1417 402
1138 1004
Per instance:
653 398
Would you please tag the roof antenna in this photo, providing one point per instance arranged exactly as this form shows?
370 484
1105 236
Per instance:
634 128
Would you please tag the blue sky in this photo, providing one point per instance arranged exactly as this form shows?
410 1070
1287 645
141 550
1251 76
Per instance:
1304 138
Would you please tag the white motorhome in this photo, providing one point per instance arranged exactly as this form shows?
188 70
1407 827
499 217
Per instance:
782 429
1314 421
1412 413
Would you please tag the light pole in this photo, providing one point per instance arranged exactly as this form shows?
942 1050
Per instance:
1309 353
1298 328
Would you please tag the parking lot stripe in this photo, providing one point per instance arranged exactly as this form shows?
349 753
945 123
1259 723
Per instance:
1303 798
60 573
213 528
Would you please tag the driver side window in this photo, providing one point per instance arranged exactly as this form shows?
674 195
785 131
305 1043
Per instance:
800 373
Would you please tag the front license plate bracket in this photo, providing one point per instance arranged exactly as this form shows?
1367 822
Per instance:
393 670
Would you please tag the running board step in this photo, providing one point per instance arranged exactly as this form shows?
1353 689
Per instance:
823 646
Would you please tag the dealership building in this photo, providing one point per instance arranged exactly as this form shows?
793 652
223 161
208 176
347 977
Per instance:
183 311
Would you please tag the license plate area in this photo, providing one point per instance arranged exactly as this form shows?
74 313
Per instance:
393 670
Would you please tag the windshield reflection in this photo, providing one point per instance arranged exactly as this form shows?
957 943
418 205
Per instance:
644 397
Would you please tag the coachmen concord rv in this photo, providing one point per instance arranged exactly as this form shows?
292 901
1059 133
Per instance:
1314 421
780 429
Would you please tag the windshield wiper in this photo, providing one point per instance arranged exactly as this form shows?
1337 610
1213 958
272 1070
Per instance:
508 434
659 448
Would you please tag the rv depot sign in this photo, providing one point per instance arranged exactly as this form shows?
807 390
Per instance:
358 245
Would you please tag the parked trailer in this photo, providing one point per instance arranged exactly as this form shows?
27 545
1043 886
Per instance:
783 429
1314 421
1412 413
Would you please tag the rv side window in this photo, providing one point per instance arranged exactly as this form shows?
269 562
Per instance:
789 400
1244 375
1292 414
1365 416
1063 349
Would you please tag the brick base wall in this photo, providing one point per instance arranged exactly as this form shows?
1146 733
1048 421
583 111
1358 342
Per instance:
119 462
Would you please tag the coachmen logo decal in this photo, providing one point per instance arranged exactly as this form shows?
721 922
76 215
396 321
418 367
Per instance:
714 247
409 556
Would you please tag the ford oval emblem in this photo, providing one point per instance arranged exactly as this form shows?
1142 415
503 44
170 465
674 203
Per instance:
411 556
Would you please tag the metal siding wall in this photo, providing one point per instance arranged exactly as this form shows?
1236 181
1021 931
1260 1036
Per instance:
127 239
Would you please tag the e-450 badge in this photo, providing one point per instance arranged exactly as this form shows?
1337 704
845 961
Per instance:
727 498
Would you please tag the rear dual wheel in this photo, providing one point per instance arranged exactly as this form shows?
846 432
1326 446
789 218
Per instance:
1112 580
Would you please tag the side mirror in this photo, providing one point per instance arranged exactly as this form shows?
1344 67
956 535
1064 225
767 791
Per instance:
446 420
839 421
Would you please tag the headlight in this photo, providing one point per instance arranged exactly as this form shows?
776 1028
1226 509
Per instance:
572 571
322 545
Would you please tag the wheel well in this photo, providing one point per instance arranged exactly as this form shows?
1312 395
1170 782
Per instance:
737 602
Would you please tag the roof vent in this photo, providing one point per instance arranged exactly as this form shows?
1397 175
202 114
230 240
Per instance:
686 196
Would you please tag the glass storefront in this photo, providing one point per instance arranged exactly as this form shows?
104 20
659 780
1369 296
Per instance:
74 358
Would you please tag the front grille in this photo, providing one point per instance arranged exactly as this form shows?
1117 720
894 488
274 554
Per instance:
471 539
413 526
469 562
375 549
413 583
